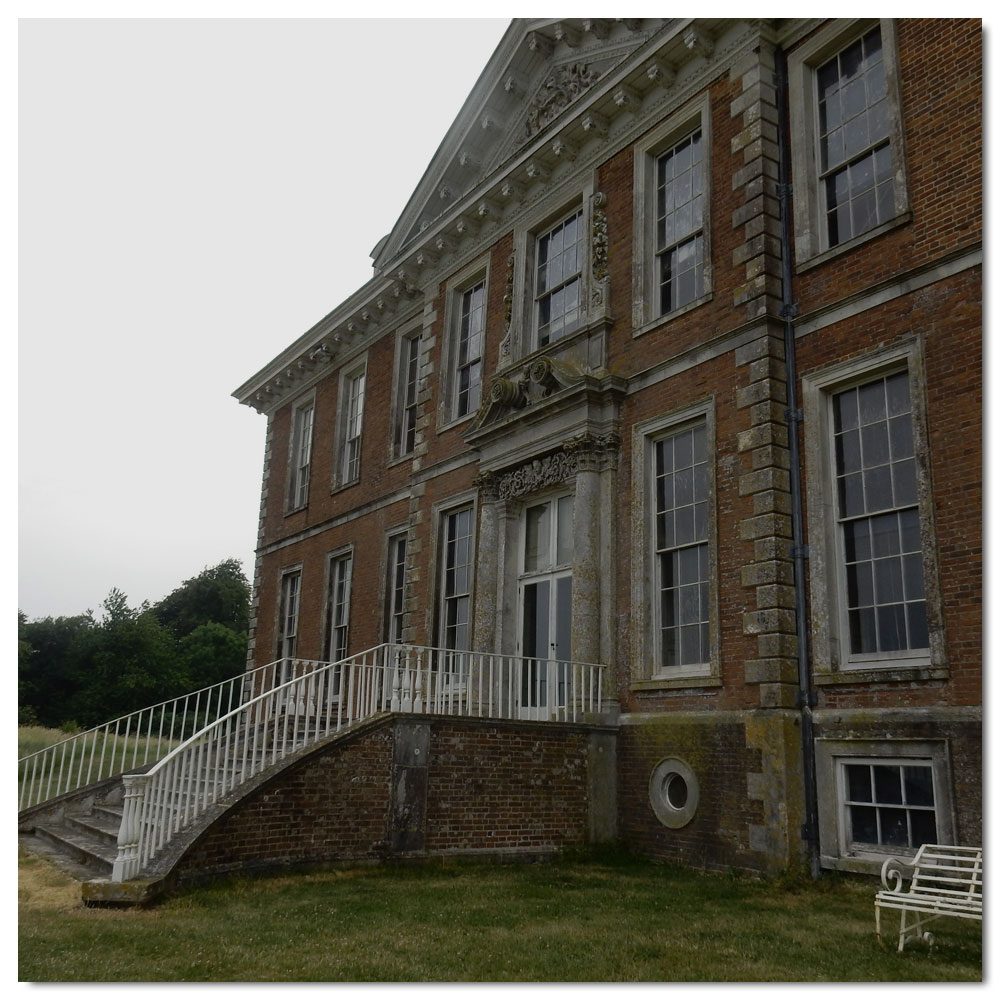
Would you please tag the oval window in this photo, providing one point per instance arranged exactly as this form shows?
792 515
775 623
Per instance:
673 792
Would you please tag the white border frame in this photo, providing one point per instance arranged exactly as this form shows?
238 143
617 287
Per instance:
645 309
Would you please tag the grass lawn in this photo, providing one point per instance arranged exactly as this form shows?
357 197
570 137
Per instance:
610 919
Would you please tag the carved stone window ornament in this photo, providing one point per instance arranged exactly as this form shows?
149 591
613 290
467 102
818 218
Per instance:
536 381
586 452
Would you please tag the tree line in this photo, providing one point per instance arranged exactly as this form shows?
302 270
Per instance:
82 670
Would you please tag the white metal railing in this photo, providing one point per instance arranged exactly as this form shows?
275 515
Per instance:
311 702
133 740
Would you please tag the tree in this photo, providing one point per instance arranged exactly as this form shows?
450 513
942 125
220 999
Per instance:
217 594
49 670
130 662
90 670
211 653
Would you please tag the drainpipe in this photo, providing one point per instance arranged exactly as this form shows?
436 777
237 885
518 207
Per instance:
806 698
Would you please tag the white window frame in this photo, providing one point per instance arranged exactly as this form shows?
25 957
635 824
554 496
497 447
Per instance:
473 274
833 754
406 388
350 424
830 640
650 672
812 245
289 590
646 312
300 447
438 610
524 310
395 585
547 295
337 610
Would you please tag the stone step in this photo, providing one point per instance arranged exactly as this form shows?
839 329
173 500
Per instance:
99 827
108 813
79 847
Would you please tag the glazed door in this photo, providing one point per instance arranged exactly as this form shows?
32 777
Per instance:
545 599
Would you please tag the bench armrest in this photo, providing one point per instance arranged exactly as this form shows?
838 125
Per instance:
892 873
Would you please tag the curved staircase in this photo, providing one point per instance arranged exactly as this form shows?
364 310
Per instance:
116 806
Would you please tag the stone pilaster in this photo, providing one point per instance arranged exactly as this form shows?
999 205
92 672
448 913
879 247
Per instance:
489 569
763 396
425 381
261 529
769 526
596 459
416 559
756 178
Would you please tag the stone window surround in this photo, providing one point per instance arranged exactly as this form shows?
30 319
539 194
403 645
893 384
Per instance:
831 753
435 608
291 485
669 773
357 366
410 331
645 285
647 675
523 333
332 559
470 275
811 244
826 580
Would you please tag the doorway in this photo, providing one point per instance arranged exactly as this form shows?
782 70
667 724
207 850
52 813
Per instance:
545 598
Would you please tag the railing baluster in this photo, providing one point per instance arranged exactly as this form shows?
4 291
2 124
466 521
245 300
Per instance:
245 734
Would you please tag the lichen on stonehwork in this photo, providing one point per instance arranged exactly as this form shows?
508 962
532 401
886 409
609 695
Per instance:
599 238
563 87
536 475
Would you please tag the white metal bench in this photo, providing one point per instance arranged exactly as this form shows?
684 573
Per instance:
946 882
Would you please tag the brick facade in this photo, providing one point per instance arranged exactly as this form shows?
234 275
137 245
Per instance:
903 295
502 789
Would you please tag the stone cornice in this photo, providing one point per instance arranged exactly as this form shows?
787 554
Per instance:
605 117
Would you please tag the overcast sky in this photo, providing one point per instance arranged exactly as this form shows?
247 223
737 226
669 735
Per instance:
193 196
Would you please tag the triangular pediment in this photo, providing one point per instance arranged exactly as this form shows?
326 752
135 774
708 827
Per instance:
539 71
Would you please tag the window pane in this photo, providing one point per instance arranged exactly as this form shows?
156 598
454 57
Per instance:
894 828
923 827
862 625
888 786
864 824
918 786
891 628
859 782
916 624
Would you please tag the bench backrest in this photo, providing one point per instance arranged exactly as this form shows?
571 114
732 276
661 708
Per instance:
952 872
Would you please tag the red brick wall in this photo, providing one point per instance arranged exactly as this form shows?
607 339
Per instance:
490 786
718 835
502 787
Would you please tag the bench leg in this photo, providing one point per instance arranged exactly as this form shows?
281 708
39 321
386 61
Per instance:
909 931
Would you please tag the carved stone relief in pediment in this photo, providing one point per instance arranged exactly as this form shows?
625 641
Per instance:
560 89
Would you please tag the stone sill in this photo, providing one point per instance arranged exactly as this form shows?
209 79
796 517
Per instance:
875 675
841 248
653 324
676 683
